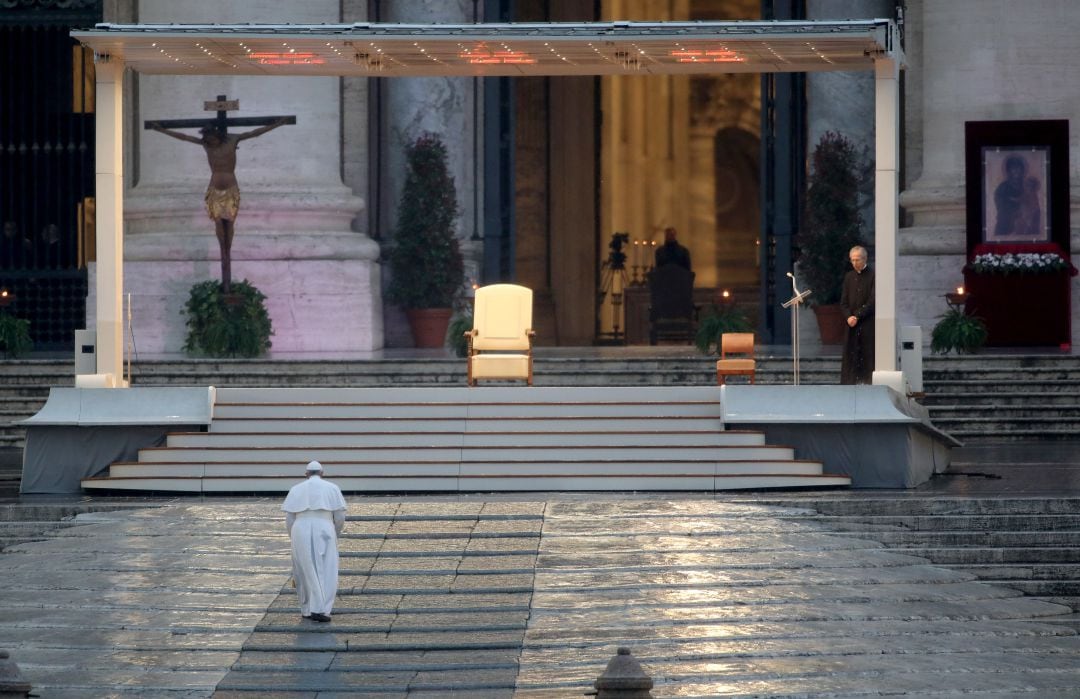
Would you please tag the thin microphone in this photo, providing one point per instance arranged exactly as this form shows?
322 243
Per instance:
791 275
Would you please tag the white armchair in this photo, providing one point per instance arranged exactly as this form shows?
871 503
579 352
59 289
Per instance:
500 343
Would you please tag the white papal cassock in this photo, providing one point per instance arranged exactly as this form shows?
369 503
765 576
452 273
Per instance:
315 514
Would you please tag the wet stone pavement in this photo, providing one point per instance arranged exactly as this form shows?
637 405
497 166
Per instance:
502 597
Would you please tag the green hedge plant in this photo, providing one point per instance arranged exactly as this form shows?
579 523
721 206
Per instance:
832 224
14 335
717 320
426 265
959 332
232 325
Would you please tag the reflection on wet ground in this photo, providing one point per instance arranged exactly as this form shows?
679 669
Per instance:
529 596
742 594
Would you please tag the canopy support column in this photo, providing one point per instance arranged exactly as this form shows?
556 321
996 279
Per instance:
110 220
886 219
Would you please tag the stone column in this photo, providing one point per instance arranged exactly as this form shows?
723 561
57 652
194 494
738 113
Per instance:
293 233
448 107
974 61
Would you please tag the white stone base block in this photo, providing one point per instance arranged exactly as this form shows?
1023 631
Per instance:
316 305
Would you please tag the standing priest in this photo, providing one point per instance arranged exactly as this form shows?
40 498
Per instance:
857 305
314 516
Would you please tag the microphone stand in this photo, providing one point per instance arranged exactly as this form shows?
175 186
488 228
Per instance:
793 303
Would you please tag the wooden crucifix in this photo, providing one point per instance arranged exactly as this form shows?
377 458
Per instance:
223 193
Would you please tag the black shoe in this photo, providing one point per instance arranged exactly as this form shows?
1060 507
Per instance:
320 617
305 616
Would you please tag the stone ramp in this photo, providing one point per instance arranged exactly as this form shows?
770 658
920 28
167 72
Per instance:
516 597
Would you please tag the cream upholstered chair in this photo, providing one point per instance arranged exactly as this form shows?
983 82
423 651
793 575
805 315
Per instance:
736 343
500 343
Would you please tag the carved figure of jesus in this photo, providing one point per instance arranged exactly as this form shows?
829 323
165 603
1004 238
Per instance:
223 193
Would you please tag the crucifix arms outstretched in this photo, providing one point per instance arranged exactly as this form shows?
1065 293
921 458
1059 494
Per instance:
220 147
223 194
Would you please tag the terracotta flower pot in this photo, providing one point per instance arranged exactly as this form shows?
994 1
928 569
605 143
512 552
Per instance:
428 325
830 324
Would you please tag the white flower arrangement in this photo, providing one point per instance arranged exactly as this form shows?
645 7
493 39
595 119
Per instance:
1018 263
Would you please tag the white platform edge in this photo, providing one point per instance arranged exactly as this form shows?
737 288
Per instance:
151 405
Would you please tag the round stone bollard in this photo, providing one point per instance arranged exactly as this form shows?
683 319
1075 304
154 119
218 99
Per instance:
12 683
624 678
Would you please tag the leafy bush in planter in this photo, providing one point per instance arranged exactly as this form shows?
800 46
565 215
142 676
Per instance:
455 333
233 325
14 335
957 331
717 321
832 224
426 267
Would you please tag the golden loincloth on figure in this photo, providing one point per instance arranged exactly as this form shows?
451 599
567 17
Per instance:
223 203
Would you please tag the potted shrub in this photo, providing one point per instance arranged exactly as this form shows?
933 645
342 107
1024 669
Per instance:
426 266
14 335
957 331
831 226
233 324
455 333
717 320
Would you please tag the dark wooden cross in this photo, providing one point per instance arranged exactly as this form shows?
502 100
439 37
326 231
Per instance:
221 122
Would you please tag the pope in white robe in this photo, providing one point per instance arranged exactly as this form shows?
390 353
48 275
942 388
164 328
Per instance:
314 515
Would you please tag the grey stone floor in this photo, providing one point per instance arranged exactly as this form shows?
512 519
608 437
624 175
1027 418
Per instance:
518 597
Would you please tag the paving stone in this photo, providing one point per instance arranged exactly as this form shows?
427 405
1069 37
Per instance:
466 601
440 547
347 545
462 621
431 508
493 564
513 544
429 660
524 509
519 527
405 584
440 564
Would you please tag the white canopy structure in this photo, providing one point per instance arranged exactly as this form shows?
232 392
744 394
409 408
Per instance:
477 50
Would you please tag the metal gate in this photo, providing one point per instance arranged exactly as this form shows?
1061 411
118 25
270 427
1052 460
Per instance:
46 165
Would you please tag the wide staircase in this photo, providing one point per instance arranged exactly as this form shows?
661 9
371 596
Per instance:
1031 544
462 439
978 399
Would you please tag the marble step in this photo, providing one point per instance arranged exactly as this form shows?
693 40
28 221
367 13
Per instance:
958 412
1017 383
1022 555
991 398
718 440
977 524
489 411
315 426
473 484
343 470
511 456
857 508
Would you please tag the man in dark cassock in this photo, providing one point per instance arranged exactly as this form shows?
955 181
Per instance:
857 305
671 252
